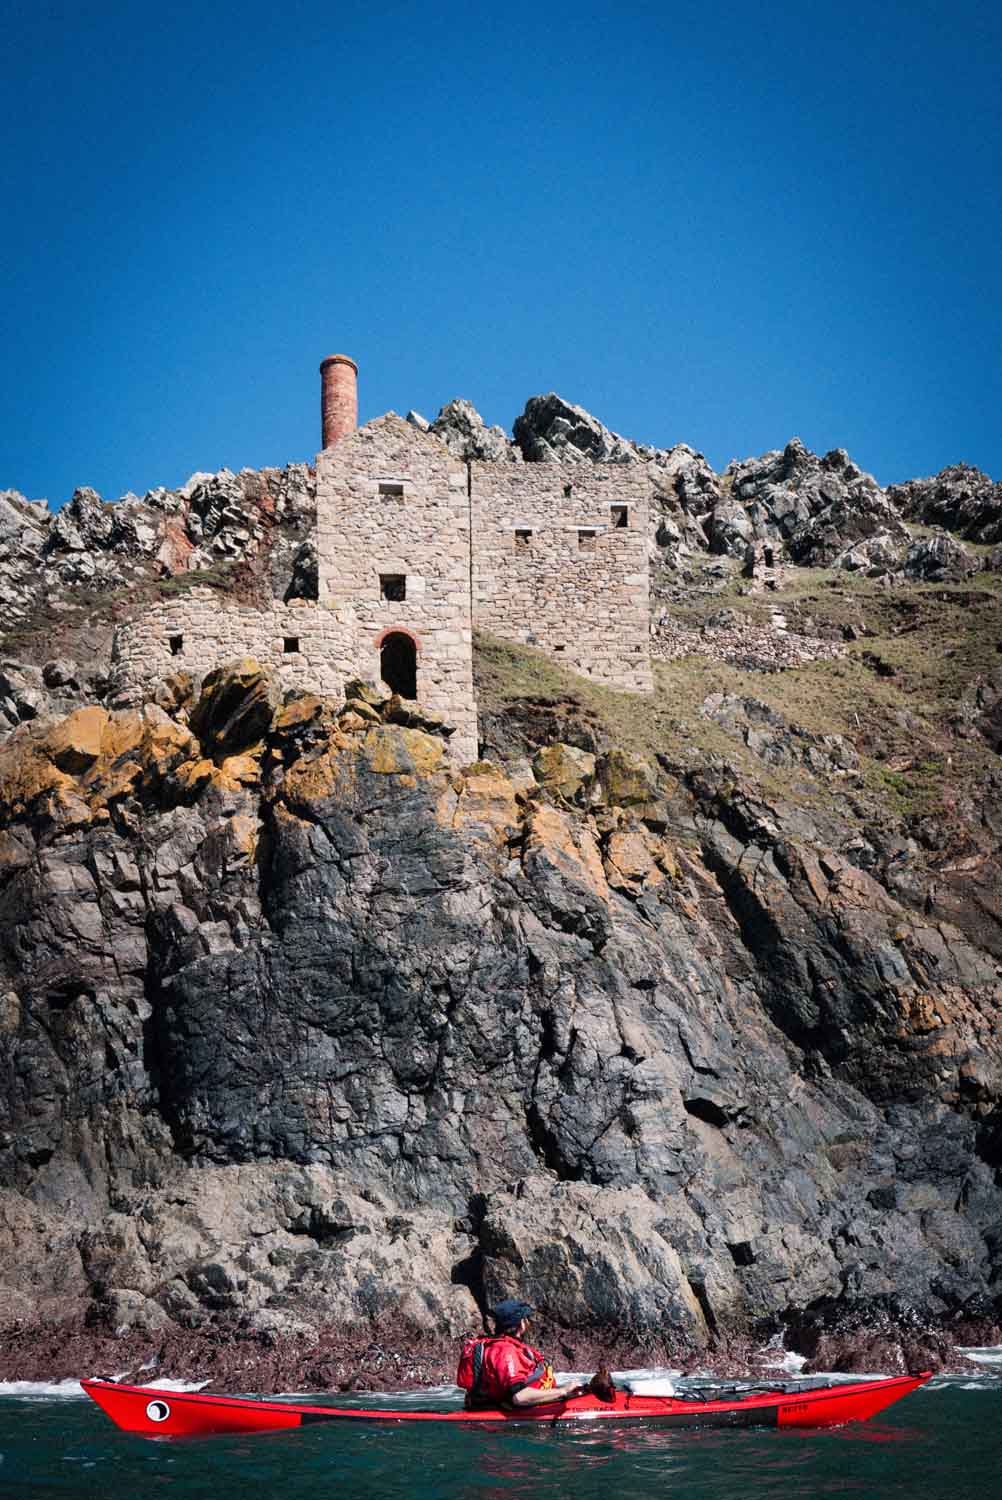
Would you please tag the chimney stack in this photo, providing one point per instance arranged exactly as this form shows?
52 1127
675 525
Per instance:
338 398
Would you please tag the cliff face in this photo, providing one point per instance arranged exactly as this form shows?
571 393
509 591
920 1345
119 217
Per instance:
678 1016
297 1025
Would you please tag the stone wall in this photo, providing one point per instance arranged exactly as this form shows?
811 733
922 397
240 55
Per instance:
393 542
308 647
553 569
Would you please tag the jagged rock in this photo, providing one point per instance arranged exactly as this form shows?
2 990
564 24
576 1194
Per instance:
959 498
417 420
695 484
816 506
175 693
236 707
258 518
250 1037
564 770
75 743
981 705
660 1050
61 674
592 1257
551 430
877 557
729 528
463 431
939 559
773 740
305 580
397 710
627 780
22 695
84 524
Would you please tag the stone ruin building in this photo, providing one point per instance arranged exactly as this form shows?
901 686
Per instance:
417 548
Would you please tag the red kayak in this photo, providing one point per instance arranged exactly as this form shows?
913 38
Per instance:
156 1413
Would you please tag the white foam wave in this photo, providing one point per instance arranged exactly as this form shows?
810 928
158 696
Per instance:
788 1363
46 1390
988 1356
40 1389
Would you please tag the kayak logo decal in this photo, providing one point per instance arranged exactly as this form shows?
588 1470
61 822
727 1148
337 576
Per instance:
158 1411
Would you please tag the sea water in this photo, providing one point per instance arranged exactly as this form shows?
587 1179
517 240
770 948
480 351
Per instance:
944 1442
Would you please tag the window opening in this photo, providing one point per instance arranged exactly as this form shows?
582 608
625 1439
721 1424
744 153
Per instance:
393 586
398 664
394 488
176 643
290 643
586 540
568 488
620 516
523 540
558 648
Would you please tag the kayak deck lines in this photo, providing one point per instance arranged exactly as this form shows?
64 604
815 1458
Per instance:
156 1413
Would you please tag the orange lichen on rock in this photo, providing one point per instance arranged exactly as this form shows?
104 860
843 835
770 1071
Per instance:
572 848
70 772
74 744
482 800
631 859
393 751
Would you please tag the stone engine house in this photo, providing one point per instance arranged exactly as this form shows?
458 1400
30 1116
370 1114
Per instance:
416 549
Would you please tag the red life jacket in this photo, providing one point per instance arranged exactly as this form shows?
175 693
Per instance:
494 1369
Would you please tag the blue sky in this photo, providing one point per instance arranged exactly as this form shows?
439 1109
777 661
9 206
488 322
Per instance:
718 224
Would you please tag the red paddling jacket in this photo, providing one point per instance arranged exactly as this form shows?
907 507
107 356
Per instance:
494 1370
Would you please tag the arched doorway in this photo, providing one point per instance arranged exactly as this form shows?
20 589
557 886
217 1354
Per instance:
398 663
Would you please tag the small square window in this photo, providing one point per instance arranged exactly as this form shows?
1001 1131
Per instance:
290 643
393 489
176 643
620 516
568 490
586 540
393 586
558 648
523 540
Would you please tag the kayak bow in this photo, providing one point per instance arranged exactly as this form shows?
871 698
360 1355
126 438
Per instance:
157 1413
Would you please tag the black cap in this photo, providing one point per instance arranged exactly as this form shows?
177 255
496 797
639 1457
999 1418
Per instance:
509 1313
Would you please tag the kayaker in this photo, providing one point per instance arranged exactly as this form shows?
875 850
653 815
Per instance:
504 1370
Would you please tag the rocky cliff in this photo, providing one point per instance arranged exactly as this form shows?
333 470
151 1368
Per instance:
680 1018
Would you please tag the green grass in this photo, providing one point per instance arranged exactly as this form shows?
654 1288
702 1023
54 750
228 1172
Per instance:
936 638
219 576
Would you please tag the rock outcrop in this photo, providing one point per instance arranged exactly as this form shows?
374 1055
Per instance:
300 1026
960 499
464 432
551 430
816 507
296 1024
939 559
92 547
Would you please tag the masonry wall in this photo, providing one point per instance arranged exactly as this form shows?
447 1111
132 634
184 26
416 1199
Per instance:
551 569
392 503
199 630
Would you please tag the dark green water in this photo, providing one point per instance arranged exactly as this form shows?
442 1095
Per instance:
942 1443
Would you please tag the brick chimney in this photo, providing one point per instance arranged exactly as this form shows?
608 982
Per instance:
338 398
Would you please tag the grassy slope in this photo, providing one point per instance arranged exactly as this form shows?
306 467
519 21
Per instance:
936 639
